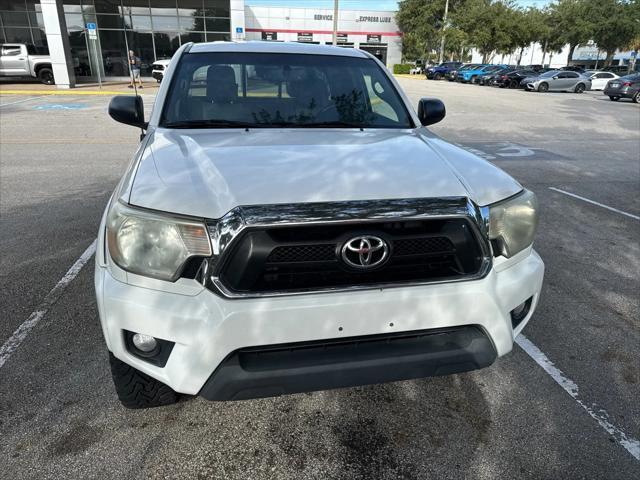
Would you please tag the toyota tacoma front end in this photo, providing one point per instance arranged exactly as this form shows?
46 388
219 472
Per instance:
288 224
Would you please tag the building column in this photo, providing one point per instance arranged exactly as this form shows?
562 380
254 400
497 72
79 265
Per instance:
237 20
55 27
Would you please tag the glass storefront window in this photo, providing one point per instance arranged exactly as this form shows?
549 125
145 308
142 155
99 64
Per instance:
107 6
196 37
109 21
36 20
75 21
155 29
216 8
166 44
13 5
163 7
81 64
192 23
218 37
142 45
165 23
18 35
15 19
138 22
114 53
218 24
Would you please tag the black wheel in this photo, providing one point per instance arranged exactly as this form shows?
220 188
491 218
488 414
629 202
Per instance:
138 390
580 88
437 76
45 75
514 84
543 87
636 97
614 98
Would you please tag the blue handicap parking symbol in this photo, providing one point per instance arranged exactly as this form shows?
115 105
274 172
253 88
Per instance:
60 106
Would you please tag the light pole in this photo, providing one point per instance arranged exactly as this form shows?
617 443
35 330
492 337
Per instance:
444 27
335 22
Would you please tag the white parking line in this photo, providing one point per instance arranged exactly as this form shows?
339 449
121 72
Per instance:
636 217
52 297
21 101
598 414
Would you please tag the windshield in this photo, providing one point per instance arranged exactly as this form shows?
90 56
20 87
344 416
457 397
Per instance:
550 73
634 77
281 90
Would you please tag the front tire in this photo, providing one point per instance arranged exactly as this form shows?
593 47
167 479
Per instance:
580 88
138 390
636 97
437 76
543 87
613 98
45 75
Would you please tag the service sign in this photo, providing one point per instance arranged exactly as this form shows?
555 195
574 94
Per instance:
305 36
270 36
342 38
374 38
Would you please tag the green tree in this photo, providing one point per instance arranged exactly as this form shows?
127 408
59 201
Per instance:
573 23
488 25
617 22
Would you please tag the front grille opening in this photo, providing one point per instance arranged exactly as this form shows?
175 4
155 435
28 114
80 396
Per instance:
302 258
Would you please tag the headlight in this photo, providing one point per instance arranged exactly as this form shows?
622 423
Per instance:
513 223
153 245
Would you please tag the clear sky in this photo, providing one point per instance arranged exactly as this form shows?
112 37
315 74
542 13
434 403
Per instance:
356 4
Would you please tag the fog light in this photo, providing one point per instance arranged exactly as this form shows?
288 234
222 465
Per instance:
519 313
144 343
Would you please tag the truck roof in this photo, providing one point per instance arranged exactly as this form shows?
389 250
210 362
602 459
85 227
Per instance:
276 47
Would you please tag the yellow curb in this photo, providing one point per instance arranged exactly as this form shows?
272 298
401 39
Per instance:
63 92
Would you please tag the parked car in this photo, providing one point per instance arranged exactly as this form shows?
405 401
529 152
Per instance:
233 263
624 87
572 68
490 75
599 79
452 76
440 71
513 79
559 81
159 69
24 60
469 75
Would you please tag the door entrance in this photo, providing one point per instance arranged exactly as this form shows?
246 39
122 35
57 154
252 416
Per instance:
378 51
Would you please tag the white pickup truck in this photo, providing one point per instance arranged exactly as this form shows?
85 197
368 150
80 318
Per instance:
289 224
21 60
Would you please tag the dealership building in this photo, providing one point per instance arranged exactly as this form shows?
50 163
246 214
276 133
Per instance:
90 38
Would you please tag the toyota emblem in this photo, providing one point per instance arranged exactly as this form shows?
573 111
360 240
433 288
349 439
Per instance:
365 252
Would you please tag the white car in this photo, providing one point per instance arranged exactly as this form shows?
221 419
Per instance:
159 69
599 78
298 228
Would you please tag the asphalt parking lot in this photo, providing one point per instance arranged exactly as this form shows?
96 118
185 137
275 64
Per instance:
576 418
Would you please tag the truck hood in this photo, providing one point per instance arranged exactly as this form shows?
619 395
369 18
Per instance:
206 173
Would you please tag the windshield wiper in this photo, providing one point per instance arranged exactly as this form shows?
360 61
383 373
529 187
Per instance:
209 124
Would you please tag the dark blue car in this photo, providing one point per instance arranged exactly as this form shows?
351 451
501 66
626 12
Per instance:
440 71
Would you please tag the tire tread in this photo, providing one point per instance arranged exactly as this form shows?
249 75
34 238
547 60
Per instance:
138 390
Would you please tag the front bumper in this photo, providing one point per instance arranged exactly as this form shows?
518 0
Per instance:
207 328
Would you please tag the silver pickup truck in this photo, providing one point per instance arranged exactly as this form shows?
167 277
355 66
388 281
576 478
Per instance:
20 60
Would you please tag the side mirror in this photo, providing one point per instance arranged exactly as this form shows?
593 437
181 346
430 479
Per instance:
128 109
555 77
430 111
